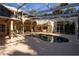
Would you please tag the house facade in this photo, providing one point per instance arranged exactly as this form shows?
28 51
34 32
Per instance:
10 25
61 26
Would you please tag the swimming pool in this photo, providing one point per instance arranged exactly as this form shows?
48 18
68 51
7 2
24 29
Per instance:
51 38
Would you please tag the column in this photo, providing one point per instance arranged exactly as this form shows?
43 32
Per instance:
77 28
31 26
11 29
53 27
23 20
42 28
64 27
23 29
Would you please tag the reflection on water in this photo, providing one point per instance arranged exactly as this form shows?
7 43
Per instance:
49 38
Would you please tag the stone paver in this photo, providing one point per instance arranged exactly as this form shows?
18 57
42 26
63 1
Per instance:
35 46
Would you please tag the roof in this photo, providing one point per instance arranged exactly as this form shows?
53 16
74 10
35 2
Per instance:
56 16
12 8
15 9
8 18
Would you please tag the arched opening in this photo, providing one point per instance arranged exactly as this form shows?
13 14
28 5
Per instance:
29 26
34 24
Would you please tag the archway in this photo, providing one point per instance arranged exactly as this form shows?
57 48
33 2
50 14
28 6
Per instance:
29 25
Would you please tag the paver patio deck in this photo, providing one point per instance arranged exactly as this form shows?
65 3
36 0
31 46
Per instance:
35 46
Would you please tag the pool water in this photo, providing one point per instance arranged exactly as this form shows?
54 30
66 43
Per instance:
48 38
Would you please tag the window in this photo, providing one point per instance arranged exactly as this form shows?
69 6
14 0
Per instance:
65 27
60 27
2 28
70 28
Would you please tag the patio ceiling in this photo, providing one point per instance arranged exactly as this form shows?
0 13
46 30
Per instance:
32 6
39 8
